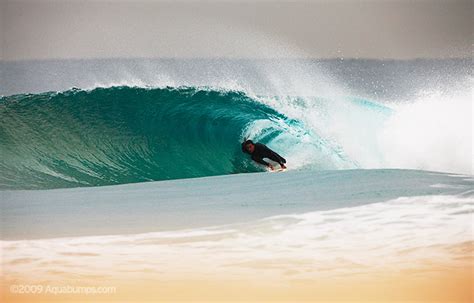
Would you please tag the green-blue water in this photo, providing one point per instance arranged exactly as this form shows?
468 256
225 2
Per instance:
123 135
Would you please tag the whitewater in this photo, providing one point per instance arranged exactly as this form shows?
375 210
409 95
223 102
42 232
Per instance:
133 168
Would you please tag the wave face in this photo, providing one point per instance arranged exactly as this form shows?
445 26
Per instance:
126 134
123 135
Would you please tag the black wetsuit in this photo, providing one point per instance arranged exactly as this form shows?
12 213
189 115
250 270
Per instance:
262 151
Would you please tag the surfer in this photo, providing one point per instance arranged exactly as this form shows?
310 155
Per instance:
258 151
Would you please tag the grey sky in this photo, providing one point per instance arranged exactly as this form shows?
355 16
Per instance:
370 29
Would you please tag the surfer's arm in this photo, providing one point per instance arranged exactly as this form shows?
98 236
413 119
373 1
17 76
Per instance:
276 157
261 161
270 154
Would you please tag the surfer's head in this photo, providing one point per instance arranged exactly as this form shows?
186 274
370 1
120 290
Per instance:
248 146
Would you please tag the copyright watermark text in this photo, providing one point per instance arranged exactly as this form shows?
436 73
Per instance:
61 289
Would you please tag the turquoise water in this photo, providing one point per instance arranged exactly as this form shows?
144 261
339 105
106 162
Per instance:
231 199
120 135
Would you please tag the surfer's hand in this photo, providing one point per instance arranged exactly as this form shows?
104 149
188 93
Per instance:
270 167
283 166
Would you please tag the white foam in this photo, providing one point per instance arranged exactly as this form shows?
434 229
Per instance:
395 234
432 133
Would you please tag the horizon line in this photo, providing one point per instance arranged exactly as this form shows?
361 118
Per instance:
235 58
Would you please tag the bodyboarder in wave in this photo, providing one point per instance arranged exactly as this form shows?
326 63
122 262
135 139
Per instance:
258 151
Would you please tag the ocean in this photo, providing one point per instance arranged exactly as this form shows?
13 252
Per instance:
114 171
